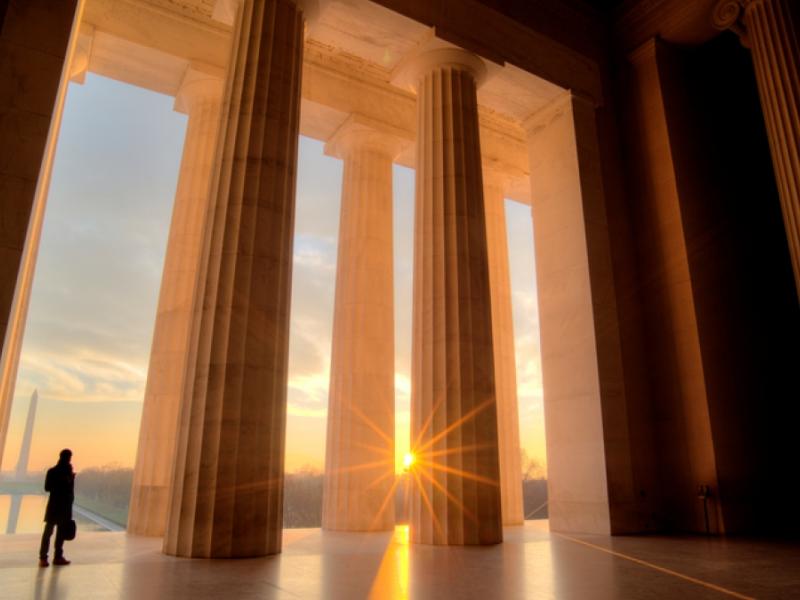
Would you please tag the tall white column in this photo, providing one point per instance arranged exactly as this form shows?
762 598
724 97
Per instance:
227 492
581 364
770 29
505 369
200 97
456 497
359 457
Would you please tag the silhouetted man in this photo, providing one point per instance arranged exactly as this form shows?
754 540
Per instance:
60 482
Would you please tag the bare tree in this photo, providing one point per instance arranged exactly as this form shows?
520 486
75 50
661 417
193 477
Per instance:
532 468
534 487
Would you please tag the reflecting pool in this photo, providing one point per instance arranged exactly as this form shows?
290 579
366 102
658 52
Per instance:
24 513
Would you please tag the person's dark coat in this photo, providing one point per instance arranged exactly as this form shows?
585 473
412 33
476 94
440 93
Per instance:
60 482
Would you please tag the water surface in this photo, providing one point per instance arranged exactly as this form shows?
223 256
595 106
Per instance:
24 513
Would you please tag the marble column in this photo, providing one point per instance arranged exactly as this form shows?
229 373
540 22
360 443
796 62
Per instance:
456 499
227 491
678 374
200 97
590 481
359 456
505 369
769 29
37 41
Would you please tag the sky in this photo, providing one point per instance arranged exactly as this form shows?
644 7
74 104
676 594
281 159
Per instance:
95 290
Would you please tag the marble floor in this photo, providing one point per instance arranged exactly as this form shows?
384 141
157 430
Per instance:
531 563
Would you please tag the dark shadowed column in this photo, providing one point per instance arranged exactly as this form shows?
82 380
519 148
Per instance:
769 29
456 497
227 497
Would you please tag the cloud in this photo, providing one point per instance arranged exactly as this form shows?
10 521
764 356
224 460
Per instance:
316 253
81 375
313 282
97 276
309 393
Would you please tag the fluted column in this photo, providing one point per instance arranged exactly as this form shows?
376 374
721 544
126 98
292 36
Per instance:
505 369
359 455
456 497
200 96
769 29
227 493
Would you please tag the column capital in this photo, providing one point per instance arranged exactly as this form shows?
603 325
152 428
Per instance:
730 14
770 30
200 82
359 132
79 64
225 10
435 53
312 10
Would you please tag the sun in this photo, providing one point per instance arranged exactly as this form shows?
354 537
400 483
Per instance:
408 460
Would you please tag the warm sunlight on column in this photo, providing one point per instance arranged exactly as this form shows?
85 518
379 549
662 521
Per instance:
408 460
402 423
401 447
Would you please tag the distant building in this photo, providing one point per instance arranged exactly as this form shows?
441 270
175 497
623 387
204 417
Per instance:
25 448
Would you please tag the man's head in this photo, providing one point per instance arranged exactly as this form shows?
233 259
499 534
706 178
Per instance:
65 455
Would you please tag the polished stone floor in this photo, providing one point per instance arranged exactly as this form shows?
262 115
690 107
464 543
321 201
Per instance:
531 563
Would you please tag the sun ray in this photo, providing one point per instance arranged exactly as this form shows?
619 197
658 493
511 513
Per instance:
427 501
481 407
380 479
360 467
374 448
448 451
371 424
428 422
470 515
459 472
384 504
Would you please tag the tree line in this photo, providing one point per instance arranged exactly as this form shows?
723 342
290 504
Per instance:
106 491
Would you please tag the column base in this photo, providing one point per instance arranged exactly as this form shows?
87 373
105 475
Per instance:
148 511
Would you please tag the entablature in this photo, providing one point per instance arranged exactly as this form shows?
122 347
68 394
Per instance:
151 43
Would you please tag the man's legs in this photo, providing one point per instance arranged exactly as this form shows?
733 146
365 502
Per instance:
59 547
45 547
